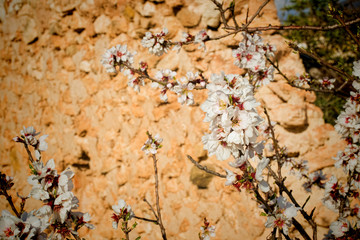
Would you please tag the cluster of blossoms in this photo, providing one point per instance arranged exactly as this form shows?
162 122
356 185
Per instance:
152 144
251 55
187 38
54 190
338 194
302 80
156 44
182 87
231 110
28 226
120 56
305 81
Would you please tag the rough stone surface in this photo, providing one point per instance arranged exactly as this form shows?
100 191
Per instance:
97 124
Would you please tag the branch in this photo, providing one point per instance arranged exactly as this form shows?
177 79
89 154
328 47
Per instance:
319 60
9 199
304 27
276 146
244 27
29 153
146 219
152 209
163 233
341 20
309 89
205 169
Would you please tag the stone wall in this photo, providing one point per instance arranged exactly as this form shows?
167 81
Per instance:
51 78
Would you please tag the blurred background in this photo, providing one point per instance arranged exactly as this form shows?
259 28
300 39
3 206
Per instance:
51 78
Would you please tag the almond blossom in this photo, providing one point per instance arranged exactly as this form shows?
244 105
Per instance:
156 44
152 144
122 211
356 69
207 231
282 215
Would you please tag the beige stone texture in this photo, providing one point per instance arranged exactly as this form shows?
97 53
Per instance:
51 78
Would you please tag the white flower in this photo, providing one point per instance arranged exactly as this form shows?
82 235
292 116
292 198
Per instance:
207 231
122 211
109 60
63 204
118 55
339 227
230 178
302 80
327 83
152 144
200 38
356 69
83 219
41 146
282 216
333 192
264 186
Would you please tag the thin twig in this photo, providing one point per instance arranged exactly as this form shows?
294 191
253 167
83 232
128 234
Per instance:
276 146
204 168
293 200
319 60
152 209
75 236
309 89
29 153
291 27
9 199
244 27
162 228
126 230
146 219
341 20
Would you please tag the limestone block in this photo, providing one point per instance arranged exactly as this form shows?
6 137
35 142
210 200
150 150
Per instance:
102 24
188 18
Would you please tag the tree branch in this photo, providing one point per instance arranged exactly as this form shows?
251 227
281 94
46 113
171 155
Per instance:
163 233
205 169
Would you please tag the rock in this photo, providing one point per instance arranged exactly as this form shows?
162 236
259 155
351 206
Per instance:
188 18
146 10
102 24
85 66
30 32
174 3
200 178
119 25
210 15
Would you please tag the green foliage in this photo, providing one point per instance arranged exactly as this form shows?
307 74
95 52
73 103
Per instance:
335 46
